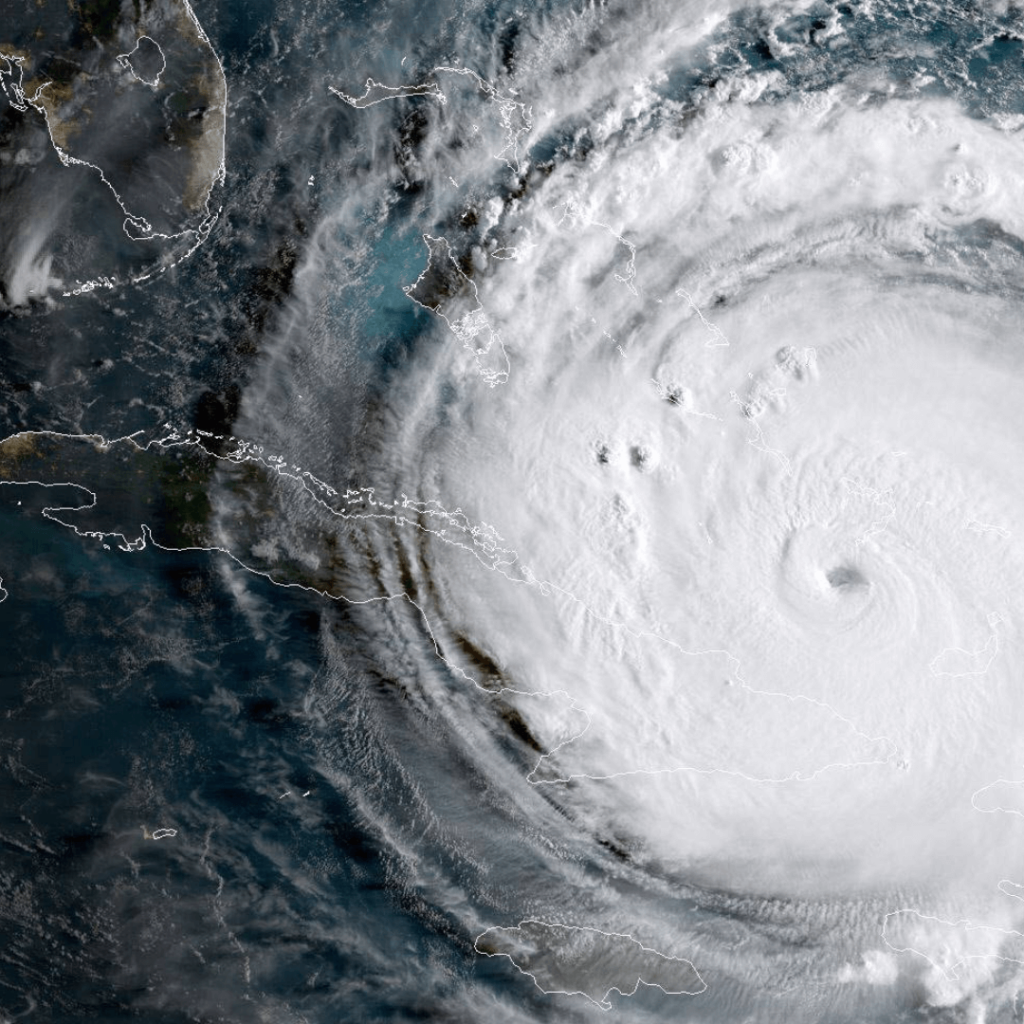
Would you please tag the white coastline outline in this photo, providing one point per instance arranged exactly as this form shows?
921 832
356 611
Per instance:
951 973
249 452
572 210
990 648
717 339
144 230
1016 885
507 106
469 326
125 60
767 387
390 92
603 1003
485 539
975 526
997 810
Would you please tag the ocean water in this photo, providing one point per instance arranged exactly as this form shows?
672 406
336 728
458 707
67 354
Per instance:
509 513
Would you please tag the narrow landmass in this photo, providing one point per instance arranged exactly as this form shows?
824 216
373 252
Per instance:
577 961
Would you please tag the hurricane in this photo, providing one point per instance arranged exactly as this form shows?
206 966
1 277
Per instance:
612 487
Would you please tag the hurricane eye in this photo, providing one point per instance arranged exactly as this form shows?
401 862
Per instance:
845 577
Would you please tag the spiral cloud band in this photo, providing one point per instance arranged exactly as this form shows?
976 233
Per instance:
726 393
620 495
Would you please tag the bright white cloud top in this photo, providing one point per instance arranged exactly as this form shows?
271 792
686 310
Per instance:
687 513
756 458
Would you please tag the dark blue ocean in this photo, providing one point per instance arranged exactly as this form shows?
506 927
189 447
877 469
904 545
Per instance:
267 727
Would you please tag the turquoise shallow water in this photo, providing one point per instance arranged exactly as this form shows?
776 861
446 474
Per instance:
238 783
